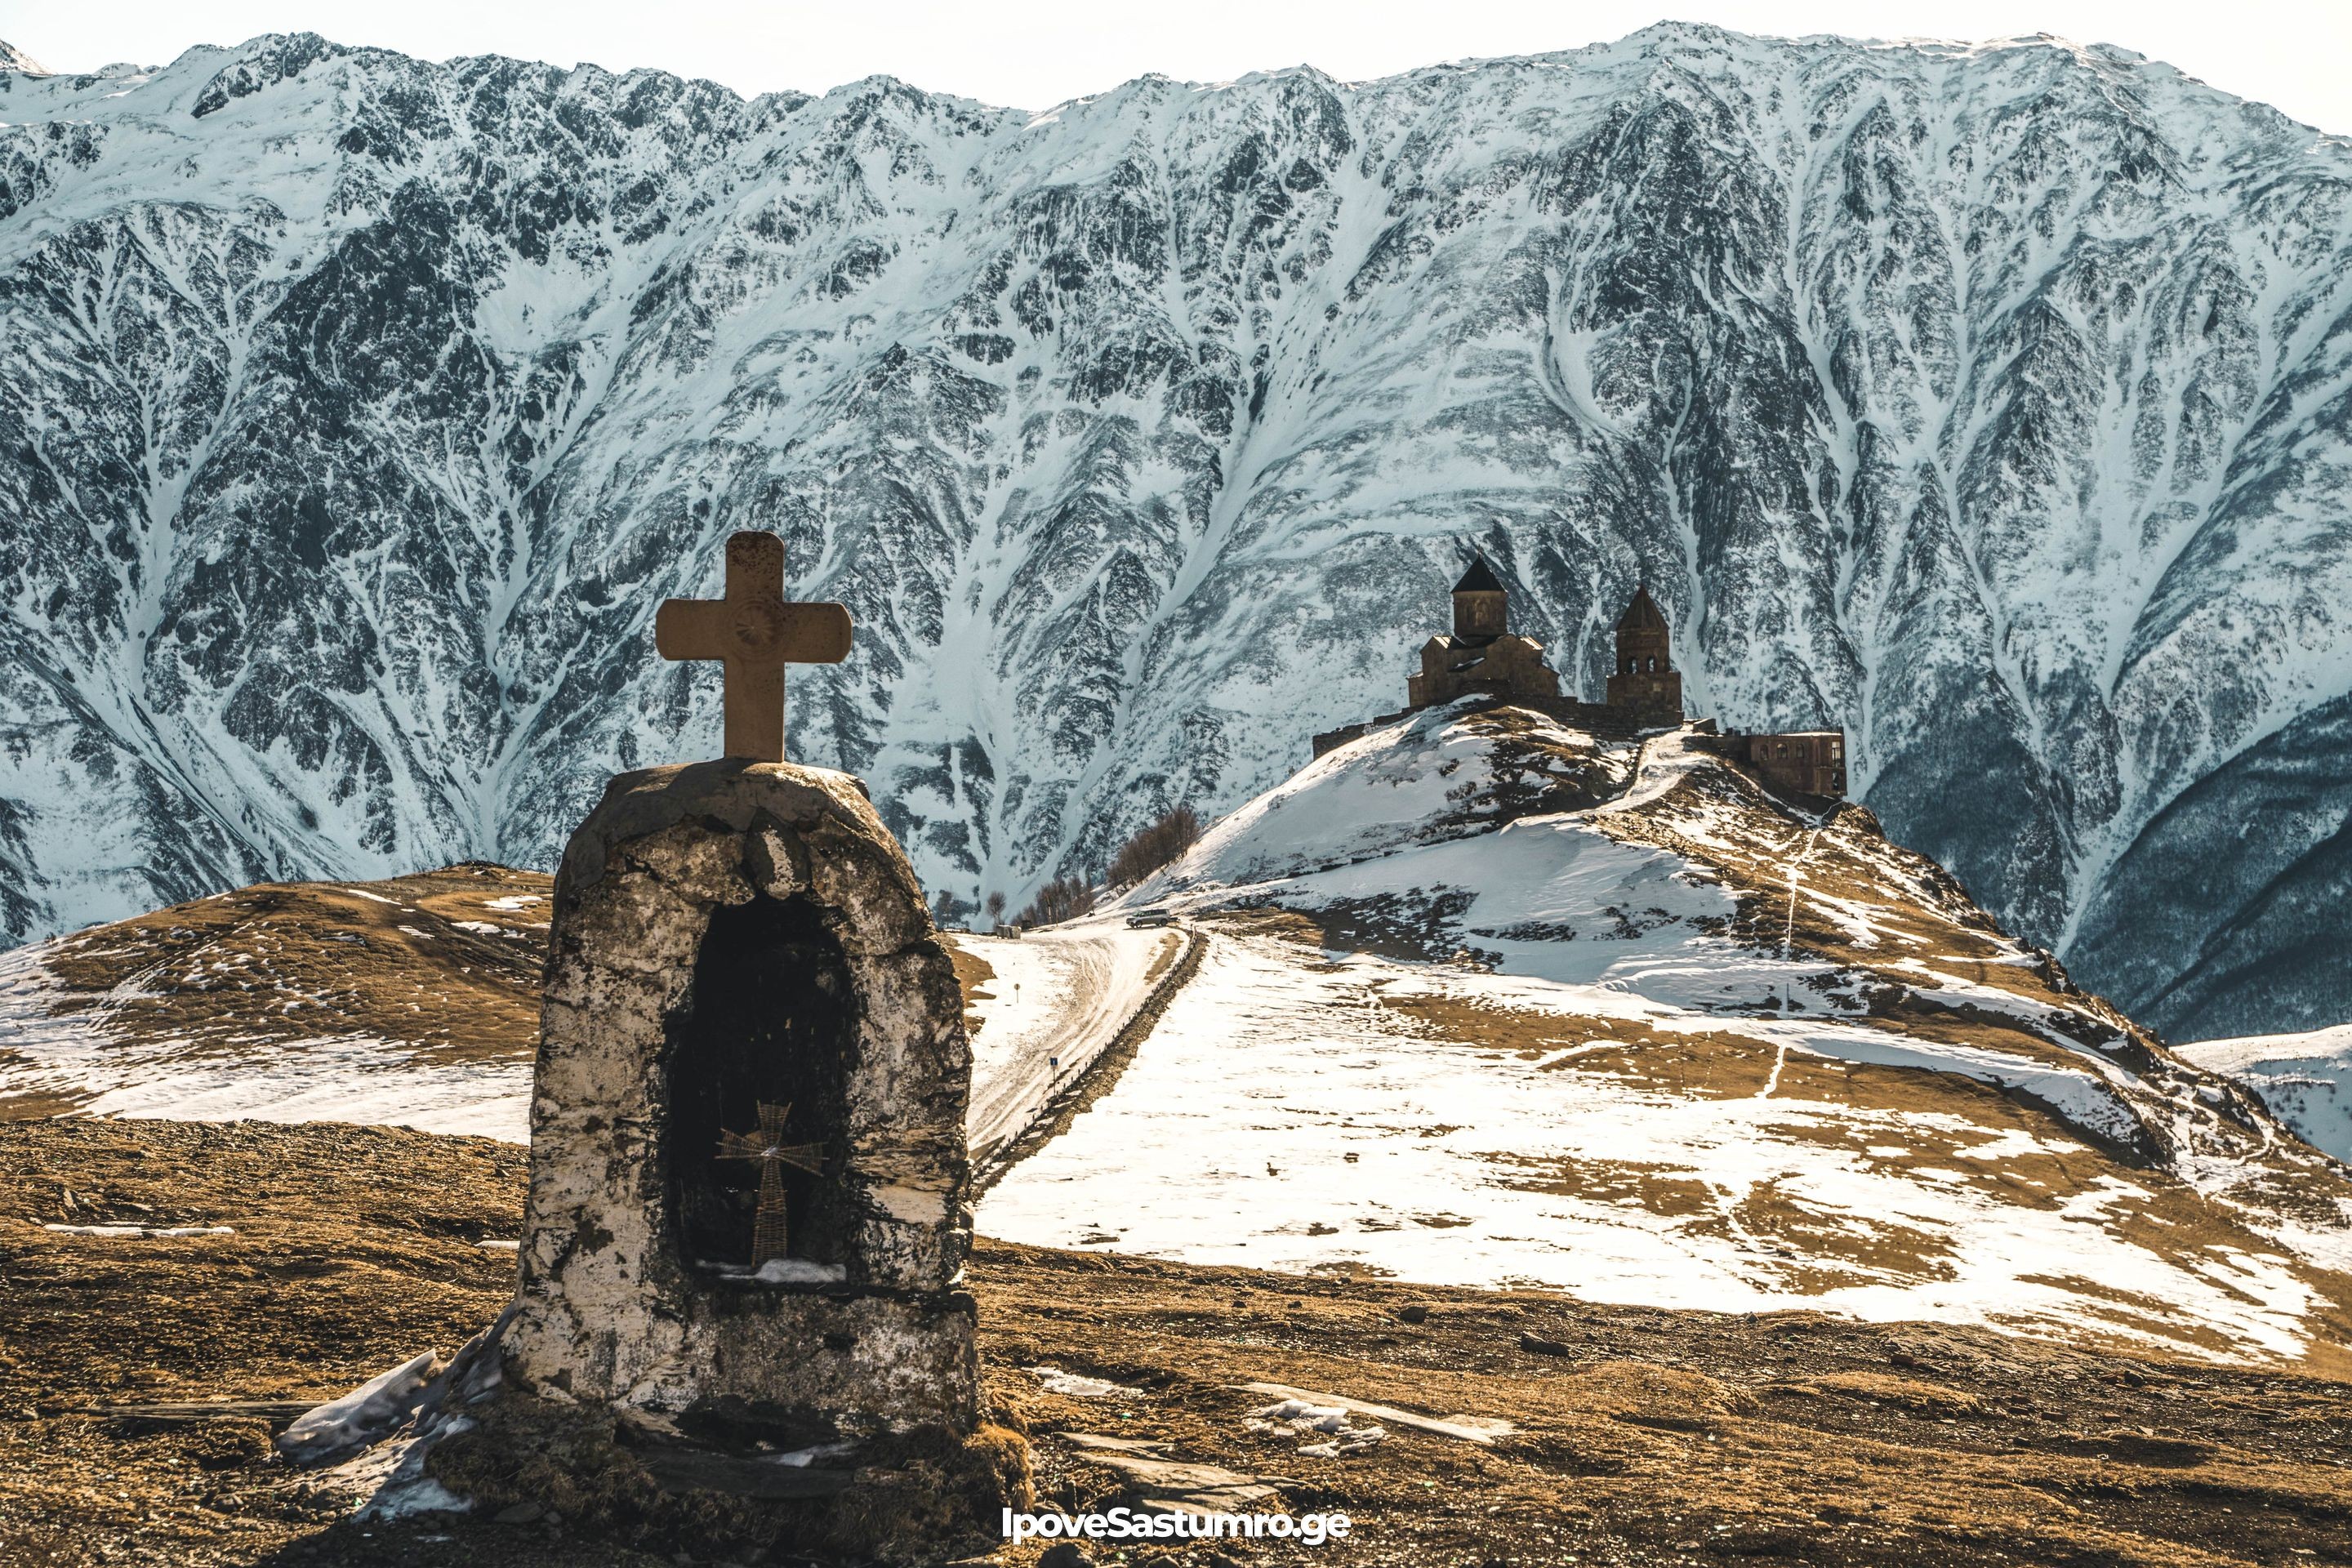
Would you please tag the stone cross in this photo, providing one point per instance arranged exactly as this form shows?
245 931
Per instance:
757 632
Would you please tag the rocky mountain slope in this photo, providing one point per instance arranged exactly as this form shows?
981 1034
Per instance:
1993 402
2305 1080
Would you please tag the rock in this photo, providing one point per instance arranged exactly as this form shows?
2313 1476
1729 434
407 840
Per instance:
1536 1344
523 1513
1064 1554
920 1497
1416 1313
229 1445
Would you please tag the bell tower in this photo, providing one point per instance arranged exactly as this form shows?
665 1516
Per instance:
1480 609
1645 680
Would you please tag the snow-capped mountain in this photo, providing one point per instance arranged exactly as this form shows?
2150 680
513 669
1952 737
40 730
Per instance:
1991 401
2304 1080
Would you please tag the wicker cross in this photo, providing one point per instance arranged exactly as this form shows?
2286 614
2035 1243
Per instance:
768 1146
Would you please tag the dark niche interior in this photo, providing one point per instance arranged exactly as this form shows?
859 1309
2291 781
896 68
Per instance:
770 1020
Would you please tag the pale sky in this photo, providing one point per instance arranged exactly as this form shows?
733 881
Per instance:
2295 55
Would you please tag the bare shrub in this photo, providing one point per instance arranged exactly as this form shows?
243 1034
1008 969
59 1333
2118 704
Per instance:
1063 899
1155 846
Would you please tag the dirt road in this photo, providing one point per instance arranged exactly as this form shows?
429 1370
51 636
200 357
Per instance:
1052 1001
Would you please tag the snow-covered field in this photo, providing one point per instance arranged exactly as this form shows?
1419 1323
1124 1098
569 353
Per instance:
2305 1080
1284 1117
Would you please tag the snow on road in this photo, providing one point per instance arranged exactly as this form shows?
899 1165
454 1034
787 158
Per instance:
1057 998
1284 1117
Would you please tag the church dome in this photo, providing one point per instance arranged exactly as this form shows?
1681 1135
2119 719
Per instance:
1642 613
1479 579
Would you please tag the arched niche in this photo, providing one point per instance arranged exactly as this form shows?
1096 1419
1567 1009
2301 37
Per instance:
725 935
770 1021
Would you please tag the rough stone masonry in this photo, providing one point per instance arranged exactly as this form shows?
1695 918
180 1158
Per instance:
727 936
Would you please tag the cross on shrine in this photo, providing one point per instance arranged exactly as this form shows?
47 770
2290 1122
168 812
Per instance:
768 1237
757 632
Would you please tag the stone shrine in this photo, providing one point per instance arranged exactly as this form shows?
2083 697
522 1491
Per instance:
749 1186
740 1327
738 950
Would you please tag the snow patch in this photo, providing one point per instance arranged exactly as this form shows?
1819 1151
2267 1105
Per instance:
141 1230
2304 1080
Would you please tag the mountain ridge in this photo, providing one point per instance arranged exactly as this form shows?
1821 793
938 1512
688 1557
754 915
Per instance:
1980 398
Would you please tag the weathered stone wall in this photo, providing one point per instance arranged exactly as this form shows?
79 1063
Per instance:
609 1307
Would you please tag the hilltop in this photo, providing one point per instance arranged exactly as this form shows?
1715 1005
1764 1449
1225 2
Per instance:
1487 1000
414 1001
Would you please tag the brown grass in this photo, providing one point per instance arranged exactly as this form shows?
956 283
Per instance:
299 959
1656 1437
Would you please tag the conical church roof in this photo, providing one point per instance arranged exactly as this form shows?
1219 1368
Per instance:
1642 613
1479 579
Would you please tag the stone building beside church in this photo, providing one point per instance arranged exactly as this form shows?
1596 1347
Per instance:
1800 762
1482 658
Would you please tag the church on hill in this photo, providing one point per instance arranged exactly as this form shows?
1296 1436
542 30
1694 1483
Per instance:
1482 658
